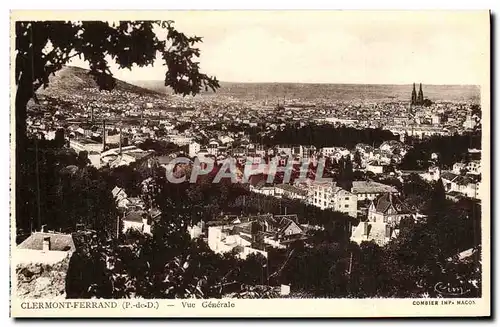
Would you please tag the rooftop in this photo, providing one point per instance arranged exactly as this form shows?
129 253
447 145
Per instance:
371 187
58 242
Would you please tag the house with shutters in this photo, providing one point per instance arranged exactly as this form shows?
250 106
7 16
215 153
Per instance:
384 216
254 234
388 208
380 233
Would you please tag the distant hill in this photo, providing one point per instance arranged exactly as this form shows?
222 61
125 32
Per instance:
335 92
71 79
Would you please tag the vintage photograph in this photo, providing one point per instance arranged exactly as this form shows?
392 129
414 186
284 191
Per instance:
250 155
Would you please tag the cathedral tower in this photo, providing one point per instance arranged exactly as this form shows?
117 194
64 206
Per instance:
420 98
413 96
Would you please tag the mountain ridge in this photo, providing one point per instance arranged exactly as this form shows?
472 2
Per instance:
342 92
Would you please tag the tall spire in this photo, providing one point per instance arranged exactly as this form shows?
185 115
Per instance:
413 95
420 99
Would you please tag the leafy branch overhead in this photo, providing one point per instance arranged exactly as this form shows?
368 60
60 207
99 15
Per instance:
44 47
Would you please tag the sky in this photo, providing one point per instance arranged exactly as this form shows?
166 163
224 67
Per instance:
333 46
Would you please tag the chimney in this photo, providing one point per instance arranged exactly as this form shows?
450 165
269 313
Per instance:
46 244
43 228
104 135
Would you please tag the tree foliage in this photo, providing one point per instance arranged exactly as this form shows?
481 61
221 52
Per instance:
324 136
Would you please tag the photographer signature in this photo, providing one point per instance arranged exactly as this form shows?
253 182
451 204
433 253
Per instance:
449 289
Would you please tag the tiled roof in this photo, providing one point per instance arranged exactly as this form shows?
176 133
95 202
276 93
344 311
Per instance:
388 200
292 189
448 175
243 228
135 216
164 160
371 187
116 190
58 242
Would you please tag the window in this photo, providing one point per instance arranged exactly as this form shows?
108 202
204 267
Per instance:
347 198
346 206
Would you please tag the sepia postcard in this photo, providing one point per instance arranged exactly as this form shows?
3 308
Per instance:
250 164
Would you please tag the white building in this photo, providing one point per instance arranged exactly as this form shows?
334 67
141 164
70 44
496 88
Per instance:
474 167
137 220
213 148
327 195
194 148
433 174
369 190
222 239
375 167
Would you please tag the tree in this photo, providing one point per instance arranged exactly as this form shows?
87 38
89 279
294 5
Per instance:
345 174
127 43
438 197
357 159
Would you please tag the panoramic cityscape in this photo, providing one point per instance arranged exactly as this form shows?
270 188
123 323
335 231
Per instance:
191 187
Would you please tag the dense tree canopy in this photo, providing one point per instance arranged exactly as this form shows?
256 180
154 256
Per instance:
326 136
451 149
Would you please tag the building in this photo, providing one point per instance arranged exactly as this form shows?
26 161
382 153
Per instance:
388 208
179 139
45 247
413 95
290 191
455 184
237 238
84 144
380 233
436 119
136 220
417 99
369 190
262 188
140 220
213 148
433 174
375 167
474 167
254 234
328 195
383 224
196 230
124 156
119 193
470 122
194 148
458 167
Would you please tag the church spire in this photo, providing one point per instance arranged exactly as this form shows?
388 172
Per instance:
420 99
413 95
